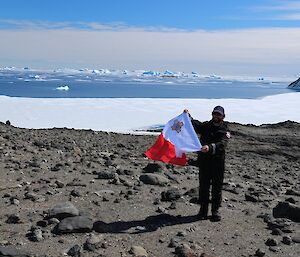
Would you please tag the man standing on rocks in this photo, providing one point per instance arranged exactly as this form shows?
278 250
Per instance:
211 161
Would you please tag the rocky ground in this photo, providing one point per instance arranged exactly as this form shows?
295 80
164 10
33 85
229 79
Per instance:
87 193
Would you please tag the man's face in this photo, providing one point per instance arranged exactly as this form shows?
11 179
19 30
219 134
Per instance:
217 117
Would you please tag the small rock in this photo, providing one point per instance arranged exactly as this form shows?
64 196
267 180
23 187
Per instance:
271 242
287 240
193 192
184 251
75 251
138 251
14 201
59 184
92 243
53 221
207 255
251 198
108 162
273 249
259 253
140 228
161 209
76 193
153 168
174 242
42 223
296 239
170 195
277 232
181 234
36 235
13 219
172 206
282 224
291 200
292 192
105 174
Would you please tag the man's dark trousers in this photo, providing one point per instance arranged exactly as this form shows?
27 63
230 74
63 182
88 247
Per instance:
211 172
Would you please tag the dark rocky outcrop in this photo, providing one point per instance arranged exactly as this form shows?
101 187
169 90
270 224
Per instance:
287 210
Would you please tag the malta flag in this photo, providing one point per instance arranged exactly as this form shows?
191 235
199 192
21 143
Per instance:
177 138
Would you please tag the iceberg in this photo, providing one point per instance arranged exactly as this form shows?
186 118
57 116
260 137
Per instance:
34 76
105 71
101 71
170 74
63 88
153 73
96 72
213 76
167 72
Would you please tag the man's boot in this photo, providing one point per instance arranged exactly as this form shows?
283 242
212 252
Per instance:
215 215
202 215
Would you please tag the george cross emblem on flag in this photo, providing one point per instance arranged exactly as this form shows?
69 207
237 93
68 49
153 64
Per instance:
177 125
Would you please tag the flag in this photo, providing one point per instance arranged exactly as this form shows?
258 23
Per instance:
177 138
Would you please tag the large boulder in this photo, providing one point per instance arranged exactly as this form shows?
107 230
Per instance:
287 210
78 224
12 252
154 179
63 210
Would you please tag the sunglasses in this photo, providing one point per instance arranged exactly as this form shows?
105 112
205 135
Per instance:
217 114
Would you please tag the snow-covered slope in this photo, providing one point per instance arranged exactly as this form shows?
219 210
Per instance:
127 115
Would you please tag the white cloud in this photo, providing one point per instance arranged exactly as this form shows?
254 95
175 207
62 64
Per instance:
289 17
250 51
282 6
278 10
79 25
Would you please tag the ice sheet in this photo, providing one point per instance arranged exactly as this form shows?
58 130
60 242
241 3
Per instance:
127 115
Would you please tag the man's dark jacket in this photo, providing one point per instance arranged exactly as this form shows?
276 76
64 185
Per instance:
215 137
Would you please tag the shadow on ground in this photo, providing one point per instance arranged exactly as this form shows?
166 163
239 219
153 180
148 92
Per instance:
149 224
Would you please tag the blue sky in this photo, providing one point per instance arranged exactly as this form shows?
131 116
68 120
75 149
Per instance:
183 20
188 15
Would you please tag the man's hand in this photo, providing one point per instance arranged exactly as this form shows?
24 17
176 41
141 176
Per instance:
205 149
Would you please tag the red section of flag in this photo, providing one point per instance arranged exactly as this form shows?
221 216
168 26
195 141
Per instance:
164 151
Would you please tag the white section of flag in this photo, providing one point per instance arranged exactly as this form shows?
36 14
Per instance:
180 132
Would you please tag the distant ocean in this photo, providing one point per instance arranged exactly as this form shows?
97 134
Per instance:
84 83
130 89
130 101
